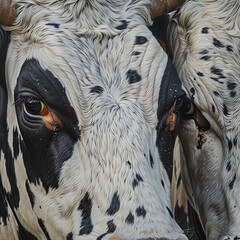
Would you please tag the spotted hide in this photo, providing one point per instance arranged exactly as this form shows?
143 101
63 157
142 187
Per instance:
205 43
87 97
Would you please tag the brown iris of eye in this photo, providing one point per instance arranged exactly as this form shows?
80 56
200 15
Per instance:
35 107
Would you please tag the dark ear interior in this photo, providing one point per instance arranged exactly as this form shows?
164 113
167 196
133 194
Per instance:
4 41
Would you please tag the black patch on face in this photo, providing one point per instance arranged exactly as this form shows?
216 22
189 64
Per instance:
4 148
136 53
217 43
204 52
114 206
140 40
30 194
15 143
86 208
232 182
123 25
3 205
111 229
133 76
170 91
231 85
205 58
130 219
97 89
213 108
43 227
141 212
70 236
229 145
56 25
170 212
205 30
233 94
162 182
44 151
151 160
200 74
229 48
229 166
181 216
225 110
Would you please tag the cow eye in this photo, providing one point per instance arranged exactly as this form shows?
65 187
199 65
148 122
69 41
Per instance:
35 107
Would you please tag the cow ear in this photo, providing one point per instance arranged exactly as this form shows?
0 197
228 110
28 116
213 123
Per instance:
4 41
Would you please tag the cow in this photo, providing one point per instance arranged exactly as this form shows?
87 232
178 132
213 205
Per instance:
204 37
89 111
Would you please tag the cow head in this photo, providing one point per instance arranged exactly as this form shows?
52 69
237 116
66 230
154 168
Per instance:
88 99
206 45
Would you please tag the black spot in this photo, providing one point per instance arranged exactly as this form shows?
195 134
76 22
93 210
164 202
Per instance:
151 160
129 164
140 40
229 166
170 212
70 236
136 53
229 145
231 85
216 79
232 182
217 43
56 25
43 227
206 58
133 76
140 211
217 72
229 48
225 110
15 143
86 208
135 183
205 30
111 229
162 182
96 89
233 94
30 194
139 178
123 25
216 93
203 52
114 206
130 219
200 74
235 141
179 180
213 108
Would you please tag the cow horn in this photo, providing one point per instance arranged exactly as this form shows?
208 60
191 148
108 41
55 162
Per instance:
160 7
7 12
